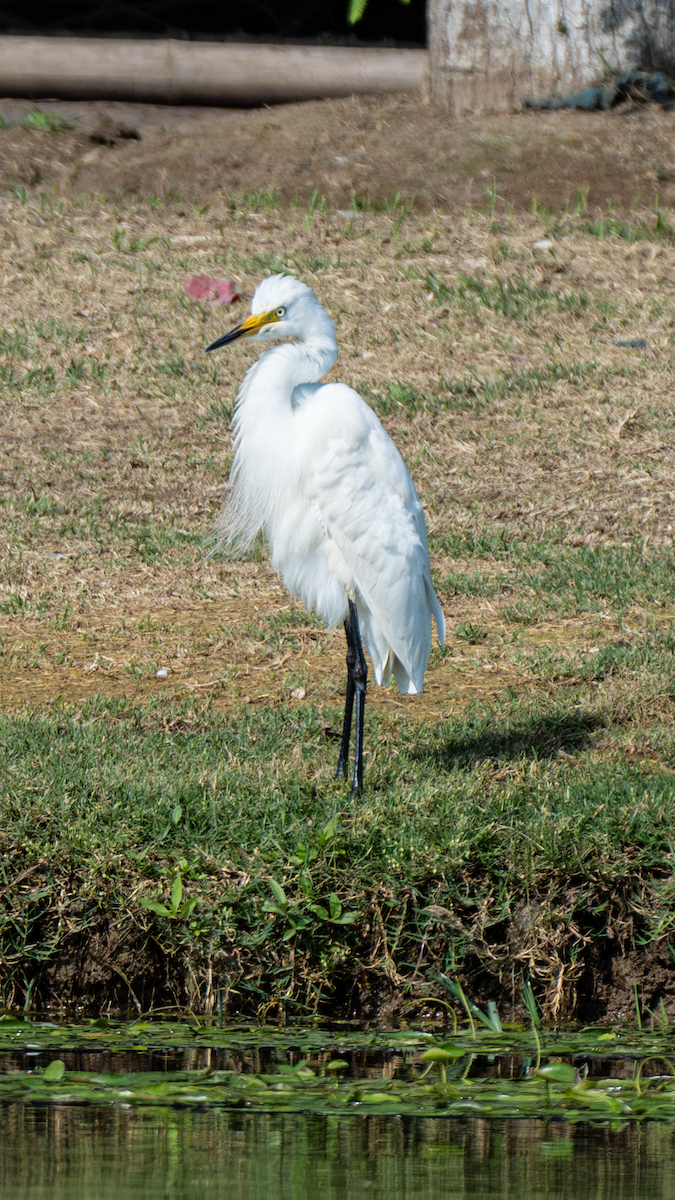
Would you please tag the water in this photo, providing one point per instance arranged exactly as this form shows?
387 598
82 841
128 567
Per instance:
90 1153
231 1142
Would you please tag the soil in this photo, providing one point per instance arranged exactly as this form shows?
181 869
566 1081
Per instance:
365 146
114 966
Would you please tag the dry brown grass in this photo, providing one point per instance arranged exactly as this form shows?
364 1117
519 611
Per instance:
113 465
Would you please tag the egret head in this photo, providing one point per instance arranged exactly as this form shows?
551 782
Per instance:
281 307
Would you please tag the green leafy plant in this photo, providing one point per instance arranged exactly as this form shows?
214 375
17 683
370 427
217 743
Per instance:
280 906
317 203
358 7
141 243
55 1071
466 631
490 1019
178 909
390 205
47 122
403 212
297 918
558 1072
334 912
531 1005
442 1055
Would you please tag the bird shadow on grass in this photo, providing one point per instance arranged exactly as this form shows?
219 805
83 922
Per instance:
541 738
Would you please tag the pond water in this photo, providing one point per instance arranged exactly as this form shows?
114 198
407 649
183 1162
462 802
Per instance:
168 1110
82 1153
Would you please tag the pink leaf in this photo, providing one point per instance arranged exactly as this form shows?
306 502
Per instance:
226 292
216 291
199 287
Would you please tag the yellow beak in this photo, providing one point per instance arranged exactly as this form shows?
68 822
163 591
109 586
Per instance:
247 328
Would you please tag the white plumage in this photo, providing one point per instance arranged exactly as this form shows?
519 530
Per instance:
315 469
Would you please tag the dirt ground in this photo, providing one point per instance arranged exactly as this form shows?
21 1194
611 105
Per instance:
371 147
128 436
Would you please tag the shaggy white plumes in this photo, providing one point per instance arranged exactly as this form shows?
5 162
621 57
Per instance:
315 470
280 290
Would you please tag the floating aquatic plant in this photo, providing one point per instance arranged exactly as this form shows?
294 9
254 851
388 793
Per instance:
481 1071
556 1090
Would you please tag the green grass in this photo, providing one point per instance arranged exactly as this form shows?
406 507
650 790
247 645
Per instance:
130 535
294 882
514 298
548 579
473 393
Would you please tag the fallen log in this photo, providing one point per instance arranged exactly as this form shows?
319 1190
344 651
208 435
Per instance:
218 73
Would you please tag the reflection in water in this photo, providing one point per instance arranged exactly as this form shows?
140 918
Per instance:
172 1154
362 1064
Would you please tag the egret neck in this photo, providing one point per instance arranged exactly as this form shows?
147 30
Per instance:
266 467
269 384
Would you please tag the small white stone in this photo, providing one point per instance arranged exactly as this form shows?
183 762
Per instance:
298 694
162 673
543 245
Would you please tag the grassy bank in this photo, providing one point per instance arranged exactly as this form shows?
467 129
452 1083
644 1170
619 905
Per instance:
516 840
182 840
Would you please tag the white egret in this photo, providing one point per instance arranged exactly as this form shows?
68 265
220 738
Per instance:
315 469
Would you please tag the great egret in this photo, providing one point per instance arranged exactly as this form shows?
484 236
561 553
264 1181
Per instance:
314 468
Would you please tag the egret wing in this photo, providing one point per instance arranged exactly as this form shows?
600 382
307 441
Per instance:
370 509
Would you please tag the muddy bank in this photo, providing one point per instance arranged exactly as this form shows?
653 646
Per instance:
88 953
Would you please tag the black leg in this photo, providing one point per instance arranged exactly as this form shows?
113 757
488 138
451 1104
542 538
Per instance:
360 677
349 702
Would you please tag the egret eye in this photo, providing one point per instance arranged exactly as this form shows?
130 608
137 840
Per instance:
281 312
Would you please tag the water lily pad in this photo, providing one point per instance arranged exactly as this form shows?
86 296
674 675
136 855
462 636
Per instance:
558 1073
55 1071
443 1054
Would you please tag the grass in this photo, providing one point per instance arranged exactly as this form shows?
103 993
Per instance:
569 581
514 298
114 802
179 839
